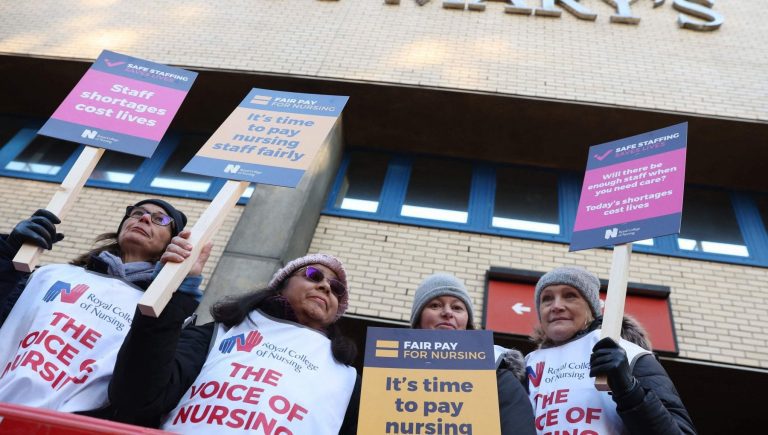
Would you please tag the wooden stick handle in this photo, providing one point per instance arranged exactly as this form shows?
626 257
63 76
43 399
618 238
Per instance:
613 315
63 199
170 277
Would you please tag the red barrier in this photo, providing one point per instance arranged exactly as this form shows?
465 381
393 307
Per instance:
24 420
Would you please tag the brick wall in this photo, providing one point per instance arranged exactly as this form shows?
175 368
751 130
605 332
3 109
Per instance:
653 65
719 309
96 211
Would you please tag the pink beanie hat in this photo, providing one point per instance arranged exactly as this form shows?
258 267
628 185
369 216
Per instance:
326 260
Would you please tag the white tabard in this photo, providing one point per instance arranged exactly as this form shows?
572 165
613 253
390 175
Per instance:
563 395
59 344
266 376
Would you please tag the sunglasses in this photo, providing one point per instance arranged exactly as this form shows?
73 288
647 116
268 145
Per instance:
157 217
316 275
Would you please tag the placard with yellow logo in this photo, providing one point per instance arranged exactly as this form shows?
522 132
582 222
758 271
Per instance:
419 381
271 137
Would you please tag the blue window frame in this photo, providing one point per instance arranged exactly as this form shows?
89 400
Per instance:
23 154
463 195
532 203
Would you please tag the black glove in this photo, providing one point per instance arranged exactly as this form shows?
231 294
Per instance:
609 359
39 230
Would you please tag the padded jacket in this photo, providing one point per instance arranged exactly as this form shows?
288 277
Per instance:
654 406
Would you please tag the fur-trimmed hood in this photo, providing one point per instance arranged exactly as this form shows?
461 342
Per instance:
631 330
512 360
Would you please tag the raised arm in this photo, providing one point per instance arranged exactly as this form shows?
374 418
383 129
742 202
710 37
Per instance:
159 360
39 230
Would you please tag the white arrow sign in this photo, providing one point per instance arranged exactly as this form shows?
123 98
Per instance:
519 308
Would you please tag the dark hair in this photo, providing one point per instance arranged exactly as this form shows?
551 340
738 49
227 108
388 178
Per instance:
232 311
108 242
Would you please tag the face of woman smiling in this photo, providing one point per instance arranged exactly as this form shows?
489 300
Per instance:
314 303
444 312
563 312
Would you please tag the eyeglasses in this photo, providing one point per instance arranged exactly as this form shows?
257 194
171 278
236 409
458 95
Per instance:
157 217
316 275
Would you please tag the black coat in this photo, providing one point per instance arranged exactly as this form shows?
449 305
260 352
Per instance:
659 409
515 409
159 361
12 282
654 406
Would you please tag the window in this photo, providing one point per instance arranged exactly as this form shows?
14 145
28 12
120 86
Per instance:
248 192
526 200
9 127
43 156
438 190
361 184
646 242
171 177
448 193
709 224
24 154
532 203
762 206
115 167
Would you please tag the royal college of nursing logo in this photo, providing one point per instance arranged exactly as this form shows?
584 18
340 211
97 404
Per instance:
69 294
241 343
535 377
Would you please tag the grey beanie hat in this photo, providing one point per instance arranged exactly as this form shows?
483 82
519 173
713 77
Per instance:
440 284
586 282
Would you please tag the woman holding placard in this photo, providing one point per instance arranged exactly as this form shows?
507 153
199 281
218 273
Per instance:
442 302
571 354
63 325
274 360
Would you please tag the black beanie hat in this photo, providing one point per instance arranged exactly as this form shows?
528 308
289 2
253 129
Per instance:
179 218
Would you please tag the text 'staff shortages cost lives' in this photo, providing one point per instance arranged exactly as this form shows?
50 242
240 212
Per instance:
122 104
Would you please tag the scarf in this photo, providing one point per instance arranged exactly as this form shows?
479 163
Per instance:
138 271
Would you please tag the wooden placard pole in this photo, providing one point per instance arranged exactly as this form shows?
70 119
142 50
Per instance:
29 255
613 315
168 280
